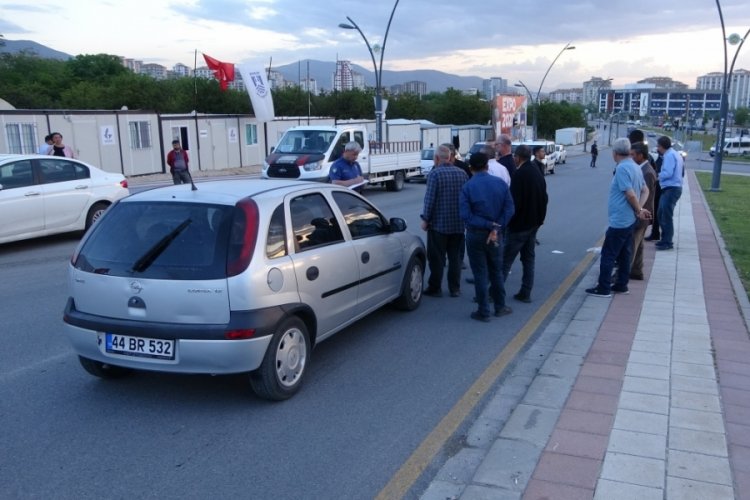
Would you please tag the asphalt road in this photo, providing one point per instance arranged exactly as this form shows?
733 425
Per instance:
374 391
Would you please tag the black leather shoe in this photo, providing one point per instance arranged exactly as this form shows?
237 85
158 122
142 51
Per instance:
456 293
503 311
522 297
432 292
484 319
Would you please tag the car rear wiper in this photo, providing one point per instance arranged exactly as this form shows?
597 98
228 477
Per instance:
155 251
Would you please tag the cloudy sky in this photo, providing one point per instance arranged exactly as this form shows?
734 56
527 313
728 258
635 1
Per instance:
624 40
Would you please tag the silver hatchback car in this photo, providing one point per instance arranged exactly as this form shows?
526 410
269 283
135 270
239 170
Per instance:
238 276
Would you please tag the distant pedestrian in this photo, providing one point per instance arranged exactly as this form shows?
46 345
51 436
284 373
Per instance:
627 195
178 161
639 153
44 148
594 154
58 148
441 219
486 206
529 192
670 180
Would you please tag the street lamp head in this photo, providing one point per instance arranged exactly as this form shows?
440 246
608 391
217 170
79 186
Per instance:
346 26
572 47
734 39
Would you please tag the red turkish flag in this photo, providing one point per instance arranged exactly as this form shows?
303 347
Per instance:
224 72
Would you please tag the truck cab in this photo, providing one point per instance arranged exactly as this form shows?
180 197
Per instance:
307 153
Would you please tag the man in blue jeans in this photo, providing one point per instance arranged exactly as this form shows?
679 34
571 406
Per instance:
624 208
485 206
670 180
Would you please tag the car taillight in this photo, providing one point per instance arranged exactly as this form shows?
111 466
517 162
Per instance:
242 236
239 334
124 183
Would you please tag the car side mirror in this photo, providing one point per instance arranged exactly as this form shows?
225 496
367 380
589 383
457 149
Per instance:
397 225
272 149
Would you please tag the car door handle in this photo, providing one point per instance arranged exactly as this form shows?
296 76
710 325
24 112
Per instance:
82 187
32 193
365 257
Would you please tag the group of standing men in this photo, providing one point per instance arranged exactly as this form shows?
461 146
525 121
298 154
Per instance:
493 211
633 204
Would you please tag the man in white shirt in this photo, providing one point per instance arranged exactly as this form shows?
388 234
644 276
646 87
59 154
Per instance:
494 167
44 148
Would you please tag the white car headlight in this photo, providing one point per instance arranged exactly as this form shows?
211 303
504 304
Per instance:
316 165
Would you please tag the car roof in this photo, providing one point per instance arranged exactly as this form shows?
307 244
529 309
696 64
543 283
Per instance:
228 192
13 157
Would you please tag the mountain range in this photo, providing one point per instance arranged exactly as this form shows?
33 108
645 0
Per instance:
321 71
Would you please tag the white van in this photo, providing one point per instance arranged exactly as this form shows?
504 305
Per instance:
549 149
733 146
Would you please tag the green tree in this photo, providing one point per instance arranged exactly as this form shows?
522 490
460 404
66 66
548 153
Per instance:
553 116
742 116
95 68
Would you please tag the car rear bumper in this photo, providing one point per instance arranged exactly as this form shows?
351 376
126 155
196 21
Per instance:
191 355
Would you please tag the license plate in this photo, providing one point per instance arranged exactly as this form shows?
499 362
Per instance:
139 346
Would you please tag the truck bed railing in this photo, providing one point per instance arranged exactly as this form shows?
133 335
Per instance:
395 147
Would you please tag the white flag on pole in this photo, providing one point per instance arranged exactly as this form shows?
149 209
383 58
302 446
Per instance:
259 91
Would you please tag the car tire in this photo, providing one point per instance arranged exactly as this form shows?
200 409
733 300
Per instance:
411 289
284 366
103 370
95 212
397 184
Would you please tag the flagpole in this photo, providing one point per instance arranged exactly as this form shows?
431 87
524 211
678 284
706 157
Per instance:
195 81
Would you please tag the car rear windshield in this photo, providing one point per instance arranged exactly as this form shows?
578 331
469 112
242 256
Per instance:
180 241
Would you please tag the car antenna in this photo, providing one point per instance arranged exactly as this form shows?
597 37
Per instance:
192 184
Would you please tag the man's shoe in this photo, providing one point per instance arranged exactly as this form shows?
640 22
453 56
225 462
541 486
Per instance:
651 238
470 281
456 293
622 289
484 319
432 292
637 277
596 292
664 246
522 297
503 311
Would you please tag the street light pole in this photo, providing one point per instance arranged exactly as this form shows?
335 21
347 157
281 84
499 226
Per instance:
733 39
378 71
533 104
538 92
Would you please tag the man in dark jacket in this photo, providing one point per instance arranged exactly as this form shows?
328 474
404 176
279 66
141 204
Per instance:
529 191
595 152
539 154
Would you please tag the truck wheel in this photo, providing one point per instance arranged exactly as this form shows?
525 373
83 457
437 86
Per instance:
397 184
280 374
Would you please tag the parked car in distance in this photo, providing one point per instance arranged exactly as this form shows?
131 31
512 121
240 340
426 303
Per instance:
733 146
42 195
238 276
561 154
549 150
426 162
475 148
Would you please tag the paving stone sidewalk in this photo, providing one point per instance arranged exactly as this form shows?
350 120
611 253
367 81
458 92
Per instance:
645 395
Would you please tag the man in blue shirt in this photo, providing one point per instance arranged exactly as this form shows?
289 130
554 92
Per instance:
670 180
346 170
486 206
440 218
625 207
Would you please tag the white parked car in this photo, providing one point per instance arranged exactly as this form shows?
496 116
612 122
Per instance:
426 162
43 195
561 154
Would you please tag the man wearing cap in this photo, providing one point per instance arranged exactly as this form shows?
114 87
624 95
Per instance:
486 206
346 170
177 159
